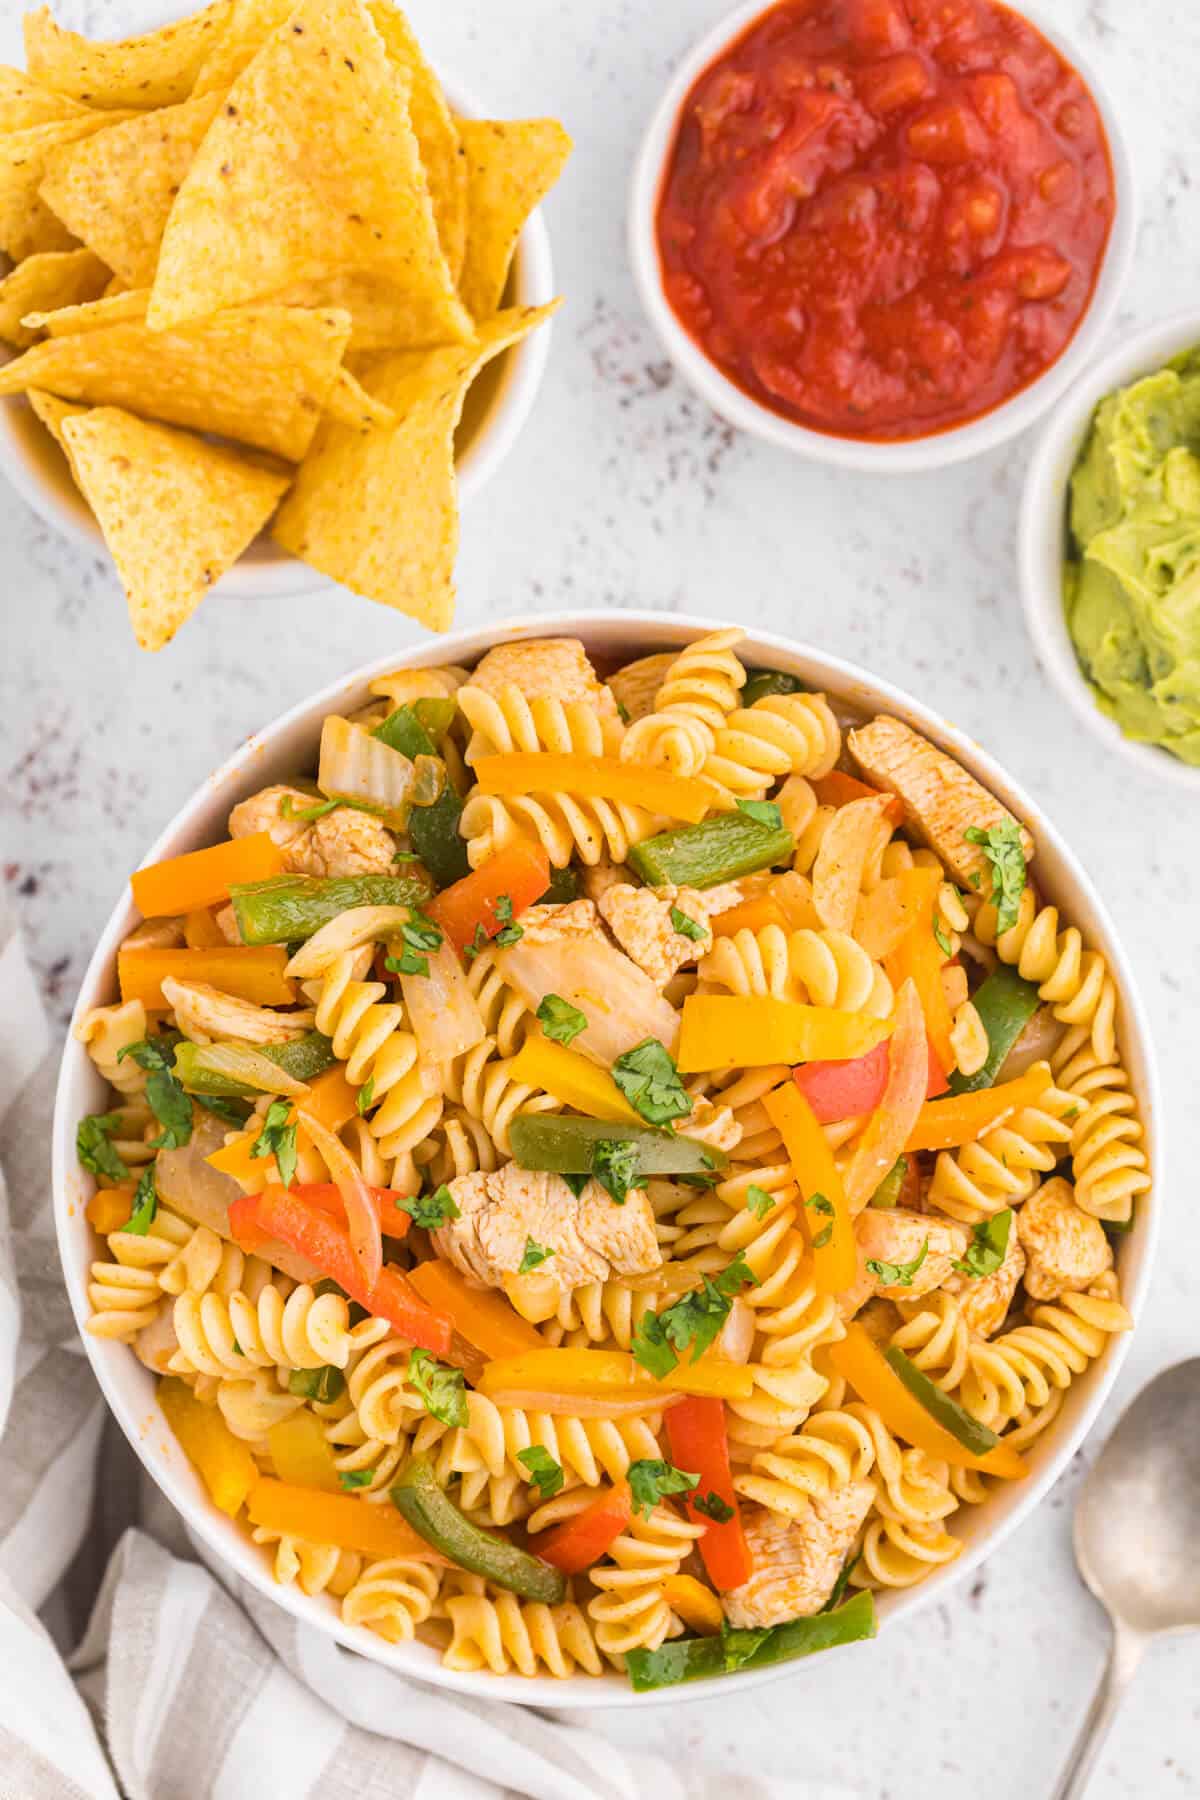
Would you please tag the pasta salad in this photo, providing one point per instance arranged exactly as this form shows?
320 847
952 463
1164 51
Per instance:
608 1166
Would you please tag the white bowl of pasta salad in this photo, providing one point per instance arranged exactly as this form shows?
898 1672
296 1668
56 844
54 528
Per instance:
626 1172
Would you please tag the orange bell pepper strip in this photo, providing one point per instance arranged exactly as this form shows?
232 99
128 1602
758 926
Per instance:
571 1078
941 1124
393 1220
700 1444
520 873
594 778
222 1461
750 915
885 916
201 931
325 1241
695 1604
252 972
302 1455
109 1209
482 1315
578 1543
919 958
722 1030
839 789
204 877
343 1520
828 1227
330 1099
557 1378
862 1365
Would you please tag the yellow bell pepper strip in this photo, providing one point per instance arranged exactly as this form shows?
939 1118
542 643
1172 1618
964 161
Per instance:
694 1603
919 958
571 1078
594 778
330 1100
204 877
201 931
252 974
723 1030
886 915
223 1462
483 1317
750 915
961 1119
342 1520
828 1227
109 1209
865 1368
301 1453
561 1379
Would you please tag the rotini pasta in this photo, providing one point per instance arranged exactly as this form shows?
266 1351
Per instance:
698 693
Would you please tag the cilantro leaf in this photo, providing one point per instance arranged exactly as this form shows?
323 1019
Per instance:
649 1080
93 1148
546 1475
942 941
164 1092
988 1246
615 1166
306 814
576 1183
479 942
651 1479
443 1390
321 1384
651 1346
687 927
764 812
898 1274
1001 845
430 1211
366 1094
417 936
622 712
511 933
842 1583
234 1112
711 1506
692 1322
820 1204
758 1201
560 1020
278 1139
145 1204
535 1255
354 1478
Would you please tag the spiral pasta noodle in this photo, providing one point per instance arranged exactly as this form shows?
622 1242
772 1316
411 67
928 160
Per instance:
697 695
391 1597
105 1031
629 1611
1021 1368
782 734
1108 1161
831 1449
1075 983
229 1334
826 968
497 1631
1004 1166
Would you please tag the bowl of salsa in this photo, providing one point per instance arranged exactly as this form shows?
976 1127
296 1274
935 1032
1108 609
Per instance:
882 233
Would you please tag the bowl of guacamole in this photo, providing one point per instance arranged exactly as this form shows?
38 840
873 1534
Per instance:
1110 549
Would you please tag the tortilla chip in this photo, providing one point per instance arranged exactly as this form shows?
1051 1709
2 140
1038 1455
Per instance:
251 23
511 167
24 102
350 404
384 319
46 283
156 70
115 190
310 168
176 512
52 411
261 374
436 131
27 225
108 309
378 510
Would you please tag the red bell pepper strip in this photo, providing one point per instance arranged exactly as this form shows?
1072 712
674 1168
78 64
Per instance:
393 1221
700 1444
579 1542
519 873
847 1090
838 789
281 1213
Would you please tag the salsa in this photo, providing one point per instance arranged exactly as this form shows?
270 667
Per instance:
882 218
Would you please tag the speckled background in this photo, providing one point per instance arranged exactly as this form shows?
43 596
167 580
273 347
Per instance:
626 491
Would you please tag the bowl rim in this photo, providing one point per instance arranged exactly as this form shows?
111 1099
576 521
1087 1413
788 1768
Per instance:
280 575
126 1385
1042 532
940 449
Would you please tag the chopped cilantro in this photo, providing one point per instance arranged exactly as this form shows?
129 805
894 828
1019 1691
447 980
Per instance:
278 1139
351 1479
145 1204
511 933
479 942
1001 844
322 1385
366 1094
898 1274
650 1082
576 1183
234 1112
546 1475
306 814
711 1506
842 1583
693 1321
443 1390
622 712
687 927
94 1149
164 1092
560 1020
535 1255
824 1207
614 1164
651 1479
942 941
758 1201
764 812
418 936
988 1246
431 1211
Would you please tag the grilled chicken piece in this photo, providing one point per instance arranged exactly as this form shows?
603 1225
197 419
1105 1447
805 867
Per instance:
797 1561
636 685
640 920
896 1236
591 1238
204 1013
264 812
941 801
553 668
984 1302
343 842
1066 1248
601 876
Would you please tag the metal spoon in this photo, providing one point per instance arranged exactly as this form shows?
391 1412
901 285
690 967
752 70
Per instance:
1135 1542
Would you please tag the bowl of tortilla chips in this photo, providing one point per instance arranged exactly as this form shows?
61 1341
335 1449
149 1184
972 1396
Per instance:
273 305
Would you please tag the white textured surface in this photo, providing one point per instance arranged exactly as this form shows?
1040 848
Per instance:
625 491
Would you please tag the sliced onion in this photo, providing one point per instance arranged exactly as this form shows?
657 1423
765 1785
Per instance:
1036 1043
359 767
429 781
361 1217
620 1002
356 926
890 1125
735 1340
855 833
575 1406
190 1186
240 1063
442 1009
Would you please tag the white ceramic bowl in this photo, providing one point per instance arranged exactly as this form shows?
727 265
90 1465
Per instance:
938 449
290 743
1042 536
498 404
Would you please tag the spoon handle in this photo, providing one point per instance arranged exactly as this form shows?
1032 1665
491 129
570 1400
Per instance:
1124 1656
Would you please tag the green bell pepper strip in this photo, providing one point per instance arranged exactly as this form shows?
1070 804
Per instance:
304 1059
698 1659
288 908
887 1194
716 850
565 1144
434 833
416 730
434 1516
761 682
323 1385
564 887
1005 1003
955 1419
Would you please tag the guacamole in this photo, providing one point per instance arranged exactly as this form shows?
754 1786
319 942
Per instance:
1132 582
